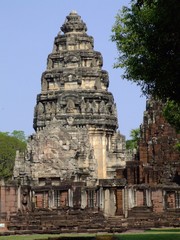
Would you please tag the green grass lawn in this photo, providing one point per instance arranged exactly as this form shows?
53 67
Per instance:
153 236
156 234
164 230
27 237
40 236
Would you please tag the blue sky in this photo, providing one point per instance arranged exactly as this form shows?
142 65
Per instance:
28 29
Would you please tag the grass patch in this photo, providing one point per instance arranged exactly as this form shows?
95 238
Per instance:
151 235
44 236
147 236
28 237
164 230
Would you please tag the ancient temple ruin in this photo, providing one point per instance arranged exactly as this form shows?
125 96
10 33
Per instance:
76 141
76 175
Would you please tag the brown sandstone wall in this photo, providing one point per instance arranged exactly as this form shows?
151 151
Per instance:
8 200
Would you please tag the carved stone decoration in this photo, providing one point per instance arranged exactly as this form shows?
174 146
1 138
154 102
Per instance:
70 77
70 120
88 107
71 60
94 63
98 84
40 108
48 108
83 106
70 107
49 64
95 107
44 84
53 108
54 153
114 110
58 106
102 107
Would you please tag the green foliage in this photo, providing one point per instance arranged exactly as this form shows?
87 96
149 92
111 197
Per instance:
8 146
133 142
171 113
19 135
148 42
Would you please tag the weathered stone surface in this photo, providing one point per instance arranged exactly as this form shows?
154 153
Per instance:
60 152
75 117
75 85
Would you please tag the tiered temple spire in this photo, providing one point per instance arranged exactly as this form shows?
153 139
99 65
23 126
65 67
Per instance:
74 84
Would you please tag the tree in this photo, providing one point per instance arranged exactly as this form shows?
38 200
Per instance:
19 135
148 41
8 147
171 112
133 142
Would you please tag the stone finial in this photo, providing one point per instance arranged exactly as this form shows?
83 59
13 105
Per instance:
73 12
73 23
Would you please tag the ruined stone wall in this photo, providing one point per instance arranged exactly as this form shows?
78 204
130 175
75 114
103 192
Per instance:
159 159
153 177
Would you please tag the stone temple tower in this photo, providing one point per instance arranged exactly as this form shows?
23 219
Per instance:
76 162
75 116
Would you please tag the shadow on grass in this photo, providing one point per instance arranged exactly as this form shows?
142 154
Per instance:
102 237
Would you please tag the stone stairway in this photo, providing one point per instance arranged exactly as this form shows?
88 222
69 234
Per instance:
140 212
65 222
117 223
144 218
140 217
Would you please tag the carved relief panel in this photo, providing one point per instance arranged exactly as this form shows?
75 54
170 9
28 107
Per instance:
71 61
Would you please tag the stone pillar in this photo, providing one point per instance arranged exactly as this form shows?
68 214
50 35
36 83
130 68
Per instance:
53 204
33 200
51 198
131 197
70 198
98 141
144 197
83 199
101 198
126 201
104 155
148 197
110 202
2 197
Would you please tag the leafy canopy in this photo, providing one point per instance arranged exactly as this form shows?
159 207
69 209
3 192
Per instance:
9 144
147 36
